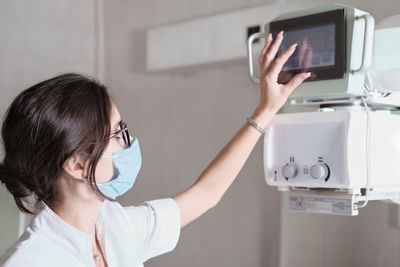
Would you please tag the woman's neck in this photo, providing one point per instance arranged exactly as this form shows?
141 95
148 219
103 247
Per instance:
78 204
80 214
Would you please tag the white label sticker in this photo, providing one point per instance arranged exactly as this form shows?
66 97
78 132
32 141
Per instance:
321 205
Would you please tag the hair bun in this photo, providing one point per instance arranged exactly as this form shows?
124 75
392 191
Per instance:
13 182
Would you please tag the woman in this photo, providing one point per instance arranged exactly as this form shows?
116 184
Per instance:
66 145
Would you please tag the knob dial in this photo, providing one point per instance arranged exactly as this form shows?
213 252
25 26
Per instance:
289 171
319 171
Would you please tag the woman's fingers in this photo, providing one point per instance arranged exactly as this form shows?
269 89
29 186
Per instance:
270 52
295 82
265 49
280 61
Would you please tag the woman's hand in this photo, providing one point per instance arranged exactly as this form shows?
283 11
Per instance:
274 95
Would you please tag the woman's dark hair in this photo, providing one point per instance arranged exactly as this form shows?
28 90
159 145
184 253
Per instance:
44 126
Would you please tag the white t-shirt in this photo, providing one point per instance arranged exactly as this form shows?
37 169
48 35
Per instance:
133 235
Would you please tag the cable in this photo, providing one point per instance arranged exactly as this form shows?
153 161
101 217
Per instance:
371 91
368 87
368 154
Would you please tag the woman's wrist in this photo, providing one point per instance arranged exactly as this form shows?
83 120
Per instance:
263 116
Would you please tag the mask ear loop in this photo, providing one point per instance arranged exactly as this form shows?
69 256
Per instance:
110 157
132 140
87 181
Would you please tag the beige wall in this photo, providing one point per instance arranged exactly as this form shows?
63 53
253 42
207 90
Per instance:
9 219
39 39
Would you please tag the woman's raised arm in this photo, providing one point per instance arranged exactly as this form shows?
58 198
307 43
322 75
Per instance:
213 182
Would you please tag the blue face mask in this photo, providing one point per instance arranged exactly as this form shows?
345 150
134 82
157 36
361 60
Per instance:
127 162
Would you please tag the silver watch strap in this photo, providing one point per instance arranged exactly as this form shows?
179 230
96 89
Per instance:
255 124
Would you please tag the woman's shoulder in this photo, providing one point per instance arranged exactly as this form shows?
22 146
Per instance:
25 251
139 216
154 225
114 208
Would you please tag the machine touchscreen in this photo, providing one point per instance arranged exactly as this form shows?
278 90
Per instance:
321 45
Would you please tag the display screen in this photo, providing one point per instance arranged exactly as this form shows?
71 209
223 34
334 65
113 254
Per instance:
316 47
321 45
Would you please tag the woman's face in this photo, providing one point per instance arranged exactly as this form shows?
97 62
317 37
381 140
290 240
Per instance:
105 169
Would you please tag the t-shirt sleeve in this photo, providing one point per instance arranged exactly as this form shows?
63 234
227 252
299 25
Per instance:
158 224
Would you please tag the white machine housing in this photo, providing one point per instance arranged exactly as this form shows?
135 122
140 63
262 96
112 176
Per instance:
358 30
323 155
336 139
346 152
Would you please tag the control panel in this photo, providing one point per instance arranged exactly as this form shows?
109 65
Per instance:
319 170
305 154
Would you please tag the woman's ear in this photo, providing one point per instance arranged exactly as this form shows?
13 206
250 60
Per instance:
76 167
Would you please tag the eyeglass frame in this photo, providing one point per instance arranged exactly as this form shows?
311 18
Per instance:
124 132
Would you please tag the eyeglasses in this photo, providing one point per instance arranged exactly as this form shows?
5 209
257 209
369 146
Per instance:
123 133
